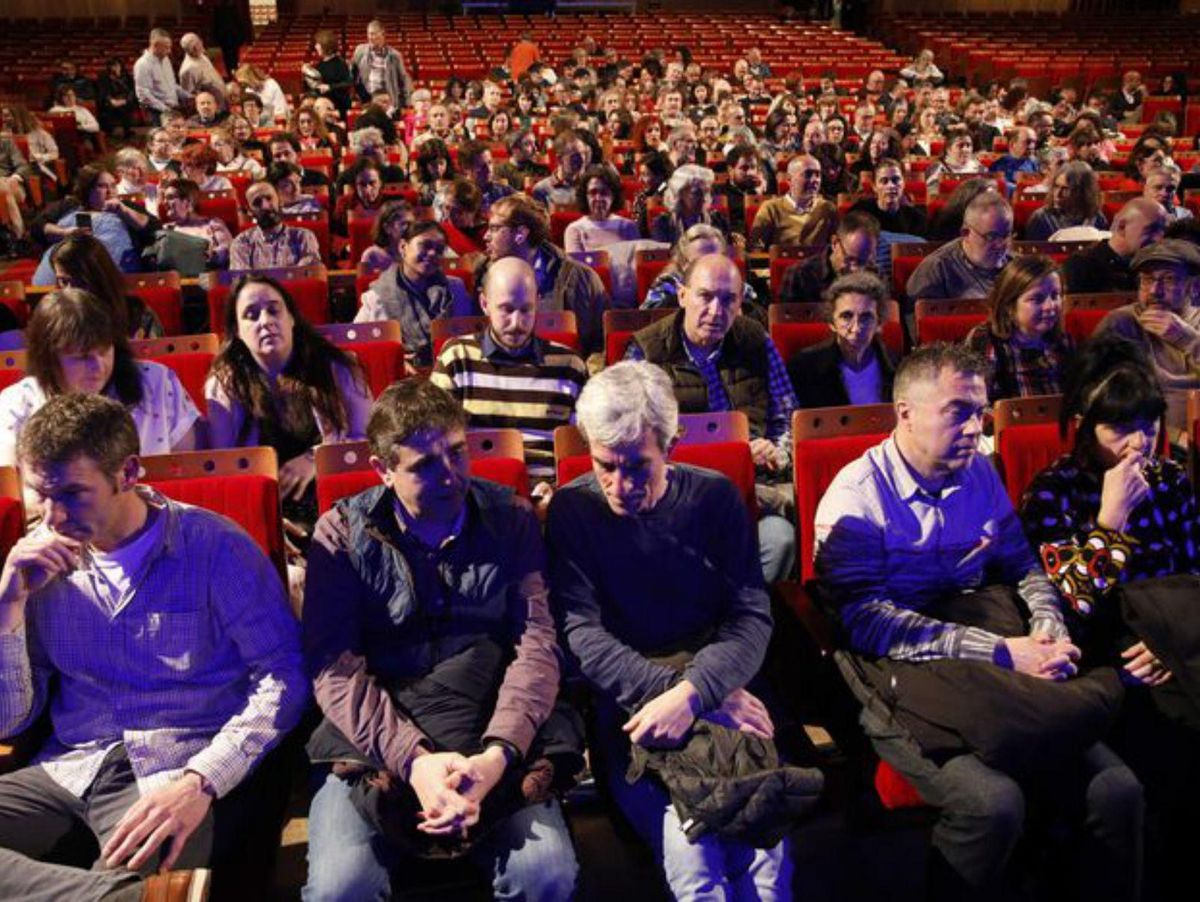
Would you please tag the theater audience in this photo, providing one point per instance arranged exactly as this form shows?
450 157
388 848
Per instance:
698 241
80 261
198 163
852 366
1024 340
745 182
271 244
1105 265
77 344
890 206
67 103
475 162
278 382
365 197
460 714
283 147
505 376
800 217
43 150
230 158
1020 157
288 180
1162 183
719 360
160 736
958 158
686 541
923 558
968 266
274 101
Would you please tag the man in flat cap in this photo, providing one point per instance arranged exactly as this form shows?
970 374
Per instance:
1165 321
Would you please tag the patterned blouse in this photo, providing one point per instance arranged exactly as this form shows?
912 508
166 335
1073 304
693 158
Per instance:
1018 371
1084 560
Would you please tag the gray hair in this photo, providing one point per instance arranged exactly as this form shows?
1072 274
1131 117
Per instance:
620 403
856 283
682 178
984 203
363 134
701 231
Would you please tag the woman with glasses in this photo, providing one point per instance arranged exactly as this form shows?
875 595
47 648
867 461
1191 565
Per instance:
852 366
178 203
1023 339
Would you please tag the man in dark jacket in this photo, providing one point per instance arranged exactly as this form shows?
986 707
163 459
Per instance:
404 580
853 248
647 560
719 360
1105 265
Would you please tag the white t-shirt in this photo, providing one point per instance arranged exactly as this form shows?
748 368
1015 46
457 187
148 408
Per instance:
591 235
163 416
116 572
863 386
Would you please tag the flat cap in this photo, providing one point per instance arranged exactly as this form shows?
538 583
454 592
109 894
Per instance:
1168 252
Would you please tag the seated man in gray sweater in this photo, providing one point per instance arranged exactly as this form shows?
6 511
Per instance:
649 560
967 267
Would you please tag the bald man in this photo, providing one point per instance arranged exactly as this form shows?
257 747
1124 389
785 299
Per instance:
720 360
1105 265
505 376
800 217
197 73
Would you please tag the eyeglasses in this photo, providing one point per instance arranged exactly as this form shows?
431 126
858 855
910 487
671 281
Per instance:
991 237
846 319
1169 281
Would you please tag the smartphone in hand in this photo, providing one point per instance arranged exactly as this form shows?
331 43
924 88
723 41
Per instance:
83 220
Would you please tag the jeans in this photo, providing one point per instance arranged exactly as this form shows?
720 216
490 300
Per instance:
776 547
982 811
529 854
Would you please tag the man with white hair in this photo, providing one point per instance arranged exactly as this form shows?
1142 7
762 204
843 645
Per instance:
197 73
154 77
650 559
800 217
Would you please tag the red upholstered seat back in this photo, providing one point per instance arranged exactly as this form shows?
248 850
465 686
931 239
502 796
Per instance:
311 296
953 327
505 470
1026 450
12 525
167 303
647 271
250 500
1082 323
382 362
192 369
895 791
9 376
816 463
789 338
360 236
335 486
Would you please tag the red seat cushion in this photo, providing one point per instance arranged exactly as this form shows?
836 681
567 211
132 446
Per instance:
336 486
10 376
731 459
251 501
947 328
505 470
816 463
1082 323
1025 451
382 362
311 297
192 369
570 468
615 344
895 791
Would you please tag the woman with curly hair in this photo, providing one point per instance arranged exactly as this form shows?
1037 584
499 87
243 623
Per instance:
598 195
1074 200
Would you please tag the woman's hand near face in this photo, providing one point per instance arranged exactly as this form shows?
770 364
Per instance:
1124 488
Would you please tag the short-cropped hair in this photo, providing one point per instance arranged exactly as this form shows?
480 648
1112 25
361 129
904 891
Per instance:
618 405
406 408
519 210
79 425
926 363
860 282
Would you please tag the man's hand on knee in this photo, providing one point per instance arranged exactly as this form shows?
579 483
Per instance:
1040 655
170 813
665 720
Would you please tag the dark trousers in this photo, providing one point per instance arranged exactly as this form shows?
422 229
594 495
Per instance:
983 811
49 837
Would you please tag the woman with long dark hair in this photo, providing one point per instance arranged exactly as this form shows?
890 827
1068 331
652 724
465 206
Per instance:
80 261
279 382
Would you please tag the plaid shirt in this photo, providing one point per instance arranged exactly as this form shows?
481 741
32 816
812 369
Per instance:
781 399
286 246
197 668
1018 371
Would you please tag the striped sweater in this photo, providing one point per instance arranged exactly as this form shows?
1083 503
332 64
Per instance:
533 391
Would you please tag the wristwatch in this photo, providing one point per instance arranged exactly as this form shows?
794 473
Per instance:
511 755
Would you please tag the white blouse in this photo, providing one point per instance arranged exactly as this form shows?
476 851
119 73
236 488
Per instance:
163 416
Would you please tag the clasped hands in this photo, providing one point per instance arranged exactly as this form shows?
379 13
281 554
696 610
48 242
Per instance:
451 788
1040 655
665 720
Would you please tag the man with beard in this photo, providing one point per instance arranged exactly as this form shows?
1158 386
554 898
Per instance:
271 244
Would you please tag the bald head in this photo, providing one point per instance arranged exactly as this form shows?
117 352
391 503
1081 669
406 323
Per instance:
1140 222
711 298
804 177
191 44
509 299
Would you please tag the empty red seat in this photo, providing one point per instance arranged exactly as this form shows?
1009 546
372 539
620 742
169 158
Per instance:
1027 440
162 292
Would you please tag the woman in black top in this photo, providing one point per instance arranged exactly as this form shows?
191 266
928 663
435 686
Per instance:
331 76
116 99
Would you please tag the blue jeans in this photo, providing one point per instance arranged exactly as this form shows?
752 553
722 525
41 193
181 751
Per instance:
776 547
529 854
711 868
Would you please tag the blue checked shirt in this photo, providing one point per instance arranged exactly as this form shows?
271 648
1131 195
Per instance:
781 400
197 667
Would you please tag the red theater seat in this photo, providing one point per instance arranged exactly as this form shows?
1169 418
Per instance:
1027 440
948 320
600 262
308 286
620 326
378 346
12 368
190 356
12 511
12 296
161 292
240 483
1083 312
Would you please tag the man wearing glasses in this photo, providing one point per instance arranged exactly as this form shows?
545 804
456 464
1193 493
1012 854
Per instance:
968 266
1165 322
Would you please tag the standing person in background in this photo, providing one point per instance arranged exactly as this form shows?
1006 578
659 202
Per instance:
331 76
523 55
154 77
197 73
378 67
